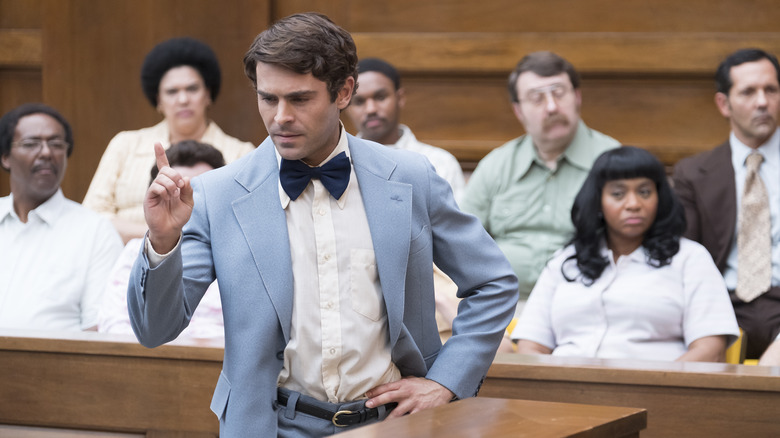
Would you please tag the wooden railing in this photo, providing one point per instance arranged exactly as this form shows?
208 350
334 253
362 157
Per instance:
107 383
682 398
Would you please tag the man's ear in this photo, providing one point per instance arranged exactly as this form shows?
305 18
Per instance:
401 97
345 93
722 102
4 162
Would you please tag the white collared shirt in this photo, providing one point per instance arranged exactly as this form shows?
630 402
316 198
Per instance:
339 342
633 310
54 267
770 174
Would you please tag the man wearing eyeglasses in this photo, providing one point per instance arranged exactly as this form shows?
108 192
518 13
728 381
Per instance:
56 254
523 191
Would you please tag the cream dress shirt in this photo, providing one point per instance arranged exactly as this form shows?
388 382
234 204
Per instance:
118 188
339 343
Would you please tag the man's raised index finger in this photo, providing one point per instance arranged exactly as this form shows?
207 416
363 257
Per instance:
159 153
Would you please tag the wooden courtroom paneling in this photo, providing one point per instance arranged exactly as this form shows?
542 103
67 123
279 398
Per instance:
93 52
543 16
108 383
682 398
20 59
20 14
647 66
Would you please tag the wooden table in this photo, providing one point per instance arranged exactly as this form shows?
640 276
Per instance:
497 418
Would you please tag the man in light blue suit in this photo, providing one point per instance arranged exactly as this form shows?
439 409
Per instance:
323 245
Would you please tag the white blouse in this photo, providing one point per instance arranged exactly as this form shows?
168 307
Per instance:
633 310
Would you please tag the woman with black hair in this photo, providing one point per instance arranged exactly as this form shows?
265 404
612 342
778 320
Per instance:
628 285
181 78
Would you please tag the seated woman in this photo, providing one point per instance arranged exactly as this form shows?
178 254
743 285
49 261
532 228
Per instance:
181 78
628 285
190 158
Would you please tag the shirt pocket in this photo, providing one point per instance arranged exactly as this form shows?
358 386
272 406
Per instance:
365 295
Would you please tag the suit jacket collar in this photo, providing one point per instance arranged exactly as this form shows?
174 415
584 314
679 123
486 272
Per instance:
264 226
388 207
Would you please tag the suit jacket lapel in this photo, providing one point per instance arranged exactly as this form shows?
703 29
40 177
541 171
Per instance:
718 193
264 225
388 207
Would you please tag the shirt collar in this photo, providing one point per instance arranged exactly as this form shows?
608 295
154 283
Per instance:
48 212
638 255
577 153
580 153
406 137
341 146
770 150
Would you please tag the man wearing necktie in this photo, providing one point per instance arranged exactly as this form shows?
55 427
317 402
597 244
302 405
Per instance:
323 246
731 194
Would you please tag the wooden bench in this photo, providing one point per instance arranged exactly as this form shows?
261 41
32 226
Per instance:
682 399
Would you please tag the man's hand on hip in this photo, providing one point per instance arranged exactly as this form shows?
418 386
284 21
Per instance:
413 394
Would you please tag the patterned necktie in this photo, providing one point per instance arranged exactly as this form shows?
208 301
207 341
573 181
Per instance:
754 245
294 175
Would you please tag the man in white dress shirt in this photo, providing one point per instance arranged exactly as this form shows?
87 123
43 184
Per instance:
55 255
324 246
376 113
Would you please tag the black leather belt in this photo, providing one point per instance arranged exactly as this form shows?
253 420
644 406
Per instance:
330 411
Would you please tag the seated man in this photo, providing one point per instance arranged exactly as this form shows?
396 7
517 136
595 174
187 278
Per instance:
732 199
376 113
190 158
55 253
523 191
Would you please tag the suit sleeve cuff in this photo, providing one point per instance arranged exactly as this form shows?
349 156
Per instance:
156 259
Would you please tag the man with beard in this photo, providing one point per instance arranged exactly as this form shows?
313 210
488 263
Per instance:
56 254
523 191
732 197
376 112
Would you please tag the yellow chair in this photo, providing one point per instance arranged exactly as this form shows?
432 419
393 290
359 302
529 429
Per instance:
736 352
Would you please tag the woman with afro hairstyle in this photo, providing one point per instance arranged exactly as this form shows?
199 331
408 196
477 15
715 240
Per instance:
628 285
181 79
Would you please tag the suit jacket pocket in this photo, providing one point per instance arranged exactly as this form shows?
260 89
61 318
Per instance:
220 399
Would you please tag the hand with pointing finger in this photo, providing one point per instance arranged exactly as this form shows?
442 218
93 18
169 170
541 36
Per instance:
167 205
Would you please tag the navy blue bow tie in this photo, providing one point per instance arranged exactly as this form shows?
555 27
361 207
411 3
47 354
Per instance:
295 176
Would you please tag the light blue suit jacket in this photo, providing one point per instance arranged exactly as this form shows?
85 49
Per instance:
238 234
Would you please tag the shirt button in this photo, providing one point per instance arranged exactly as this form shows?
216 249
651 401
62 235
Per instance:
329 305
321 212
333 351
326 257
546 208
